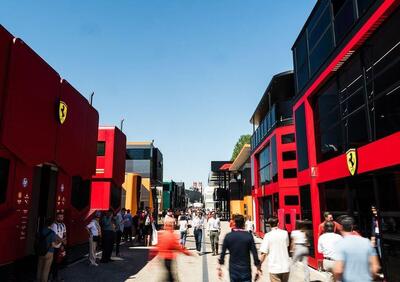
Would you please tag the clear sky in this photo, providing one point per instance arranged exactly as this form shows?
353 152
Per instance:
186 73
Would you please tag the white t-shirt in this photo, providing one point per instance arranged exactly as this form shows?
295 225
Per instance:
93 228
249 225
183 225
60 230
327 243
214 224
298 237
275 244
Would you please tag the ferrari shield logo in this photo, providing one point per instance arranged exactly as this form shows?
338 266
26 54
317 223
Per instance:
351 158
62 112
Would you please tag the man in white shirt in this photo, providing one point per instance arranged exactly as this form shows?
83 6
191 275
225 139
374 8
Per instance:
327 243
198 224
249 225
61 231
214 227
275 245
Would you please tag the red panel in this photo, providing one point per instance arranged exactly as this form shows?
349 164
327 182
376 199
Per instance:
100 195
71 134
29 120
92 125
119 157
5 46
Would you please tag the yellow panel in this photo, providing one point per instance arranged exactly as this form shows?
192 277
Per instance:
248 201
130 184
237 207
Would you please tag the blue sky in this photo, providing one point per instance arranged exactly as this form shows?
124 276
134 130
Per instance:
185 73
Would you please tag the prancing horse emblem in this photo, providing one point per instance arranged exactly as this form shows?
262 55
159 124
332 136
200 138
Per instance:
351 158
62 112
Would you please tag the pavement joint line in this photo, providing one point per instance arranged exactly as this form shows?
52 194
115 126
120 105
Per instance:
205 264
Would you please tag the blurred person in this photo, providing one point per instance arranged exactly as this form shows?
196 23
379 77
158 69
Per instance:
47 241
249 225
60 229
108 235
214 229
375 231
127 221
169 218
119 229
167 249
232 223
94 231
275 245
327 243
183 228
357 260
299 247
240 245
328 217
198 225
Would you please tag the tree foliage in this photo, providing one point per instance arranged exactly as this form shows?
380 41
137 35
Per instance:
243 139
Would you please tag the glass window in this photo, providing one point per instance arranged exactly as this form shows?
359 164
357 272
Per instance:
115 197
288 138
301 76
387 113
101 148
331 143
4 171
356 129
291 200
138 154
301 63
306 214
289 156
301 138
290 173
363 6
274 161
343 11
315 32
265 165
80 194
321 51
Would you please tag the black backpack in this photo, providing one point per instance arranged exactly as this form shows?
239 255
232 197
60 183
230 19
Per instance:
42 246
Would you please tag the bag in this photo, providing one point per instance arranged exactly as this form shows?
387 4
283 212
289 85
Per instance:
96 238
154 237
60 254
42 246
147 221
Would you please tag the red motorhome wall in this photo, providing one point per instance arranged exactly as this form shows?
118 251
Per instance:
368 158
110 168
284 186
30 136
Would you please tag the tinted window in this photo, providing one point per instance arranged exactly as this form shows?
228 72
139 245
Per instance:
274 162
289 156
101 148
306 214
80 194
290 173
344 17
363 5
265 165
4 170
291 200
115 197
301 138
316 31
301 63
138 154
288 138
321 51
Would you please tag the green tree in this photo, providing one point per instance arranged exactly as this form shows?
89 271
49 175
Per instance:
243 139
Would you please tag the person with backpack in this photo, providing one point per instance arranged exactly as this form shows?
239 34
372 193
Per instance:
46 241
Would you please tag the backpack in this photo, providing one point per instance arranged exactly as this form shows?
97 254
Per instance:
42 246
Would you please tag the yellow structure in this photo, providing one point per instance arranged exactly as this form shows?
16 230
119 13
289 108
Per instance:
146 198
130 198
241 165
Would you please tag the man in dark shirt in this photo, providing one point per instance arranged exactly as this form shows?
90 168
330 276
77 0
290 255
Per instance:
239 243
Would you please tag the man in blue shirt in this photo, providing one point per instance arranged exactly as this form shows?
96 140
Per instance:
50 238
356 259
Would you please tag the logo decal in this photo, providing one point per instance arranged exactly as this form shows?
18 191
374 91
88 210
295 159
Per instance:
62 112
351 158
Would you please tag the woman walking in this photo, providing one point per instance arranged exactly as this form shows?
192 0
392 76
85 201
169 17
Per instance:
299 247
94 231
183 228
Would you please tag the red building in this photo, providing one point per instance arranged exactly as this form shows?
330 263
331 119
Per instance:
275 191
48 134
346 110
110 169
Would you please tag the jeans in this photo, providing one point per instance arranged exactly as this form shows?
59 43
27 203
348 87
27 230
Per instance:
198 234
108 245
183 237
300 254
117 241
236 276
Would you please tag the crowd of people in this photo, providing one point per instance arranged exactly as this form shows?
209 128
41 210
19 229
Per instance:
105 231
